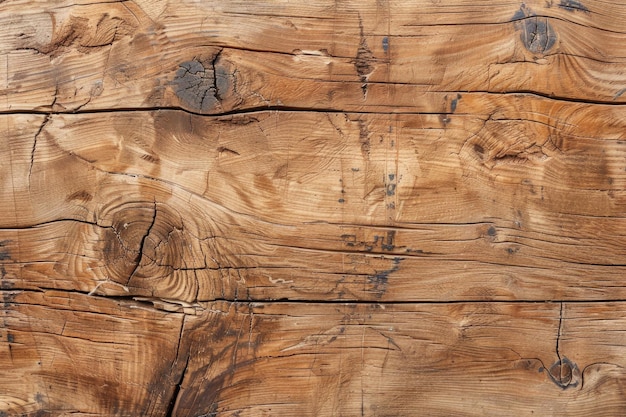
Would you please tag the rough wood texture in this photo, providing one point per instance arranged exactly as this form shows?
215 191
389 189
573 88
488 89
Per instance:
374 208
309 359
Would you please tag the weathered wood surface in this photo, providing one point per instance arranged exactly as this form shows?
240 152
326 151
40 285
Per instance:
311 359
324 208
318 206
364 56
67 353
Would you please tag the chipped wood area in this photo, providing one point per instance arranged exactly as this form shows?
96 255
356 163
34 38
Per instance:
365 208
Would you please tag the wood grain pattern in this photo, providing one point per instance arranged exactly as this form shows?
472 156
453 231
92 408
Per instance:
68 353
321 206
375 208
313 359
367 57
389 360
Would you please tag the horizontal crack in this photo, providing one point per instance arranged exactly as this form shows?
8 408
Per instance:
148 301
50 222
299 109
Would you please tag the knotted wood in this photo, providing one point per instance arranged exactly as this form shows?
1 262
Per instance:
331 208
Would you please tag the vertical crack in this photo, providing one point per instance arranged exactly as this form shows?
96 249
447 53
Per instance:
179 382
558 335
564 373
216 91
33 150
142 244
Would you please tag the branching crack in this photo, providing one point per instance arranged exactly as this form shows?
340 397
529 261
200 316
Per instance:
216 91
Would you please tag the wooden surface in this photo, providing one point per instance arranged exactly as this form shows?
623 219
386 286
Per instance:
376 208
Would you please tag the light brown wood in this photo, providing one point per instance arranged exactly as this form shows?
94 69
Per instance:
320 206
312 359
427 359
366 208
67 353
370 56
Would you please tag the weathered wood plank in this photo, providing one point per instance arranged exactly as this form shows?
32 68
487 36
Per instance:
368 56
388 360
71 354
310 359
178 173
320 206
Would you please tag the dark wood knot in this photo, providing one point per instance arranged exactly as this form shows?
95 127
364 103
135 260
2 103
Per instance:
564 373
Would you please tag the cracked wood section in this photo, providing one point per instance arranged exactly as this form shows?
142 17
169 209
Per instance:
372 360
210 57
67 353
374 208
506 204
309 359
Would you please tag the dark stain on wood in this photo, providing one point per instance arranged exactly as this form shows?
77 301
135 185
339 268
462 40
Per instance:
363 60
479 150
380 278
536 33
8 298
223 149
388 244
4 251
512 250
385 243
194 86
573 6
231 351
153 159
522 13
201 85
5 285
81 195
454 103
364 139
